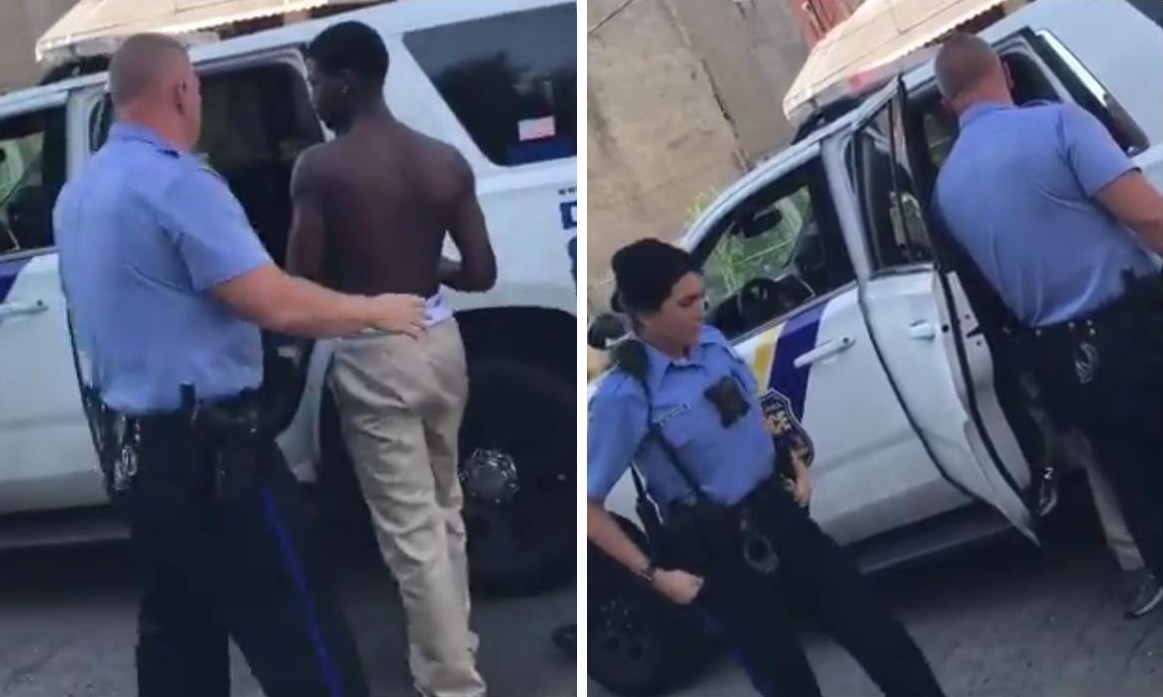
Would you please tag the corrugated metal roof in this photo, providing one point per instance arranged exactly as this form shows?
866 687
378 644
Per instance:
93 26
879 32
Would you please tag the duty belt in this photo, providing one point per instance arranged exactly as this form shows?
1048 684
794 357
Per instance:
737 527
229 429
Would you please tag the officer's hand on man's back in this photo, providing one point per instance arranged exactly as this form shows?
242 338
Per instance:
285 304
398 313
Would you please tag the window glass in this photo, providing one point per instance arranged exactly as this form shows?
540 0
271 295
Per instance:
775 252
1151 9
1089 93
511 81
32 172
893 218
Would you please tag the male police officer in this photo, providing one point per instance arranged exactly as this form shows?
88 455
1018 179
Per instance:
166 282
1062 224
684 408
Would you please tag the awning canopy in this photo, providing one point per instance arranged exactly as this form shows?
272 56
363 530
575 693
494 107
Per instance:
877 34
94 26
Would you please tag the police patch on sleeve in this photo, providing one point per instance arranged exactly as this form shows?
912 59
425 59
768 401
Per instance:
785 427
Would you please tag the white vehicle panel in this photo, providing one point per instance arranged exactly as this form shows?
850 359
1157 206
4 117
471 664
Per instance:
530 209
867 461
47 457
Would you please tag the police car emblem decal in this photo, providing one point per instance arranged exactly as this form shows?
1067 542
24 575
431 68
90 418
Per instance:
782 423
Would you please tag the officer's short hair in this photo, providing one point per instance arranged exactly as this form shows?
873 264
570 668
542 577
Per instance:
137 63
351 46
962 63
645 273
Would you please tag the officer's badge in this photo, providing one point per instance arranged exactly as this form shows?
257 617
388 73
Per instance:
785 427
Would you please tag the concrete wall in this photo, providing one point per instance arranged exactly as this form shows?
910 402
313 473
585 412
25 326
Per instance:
22 22
683 97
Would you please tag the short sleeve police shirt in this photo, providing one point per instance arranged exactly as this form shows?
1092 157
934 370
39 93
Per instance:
727 462
145 231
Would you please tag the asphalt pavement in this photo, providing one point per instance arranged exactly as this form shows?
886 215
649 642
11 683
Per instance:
67 629
1002 620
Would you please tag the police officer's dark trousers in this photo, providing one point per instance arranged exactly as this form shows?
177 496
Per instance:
1104 376
228 556
815 578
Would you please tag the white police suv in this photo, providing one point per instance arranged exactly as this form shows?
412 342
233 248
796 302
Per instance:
874 341
498 79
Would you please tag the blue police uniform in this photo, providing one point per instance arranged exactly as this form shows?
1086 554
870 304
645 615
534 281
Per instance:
144 232
617 427
735 468
1018 193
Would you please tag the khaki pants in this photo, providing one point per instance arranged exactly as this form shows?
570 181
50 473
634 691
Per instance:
1114 527
400 403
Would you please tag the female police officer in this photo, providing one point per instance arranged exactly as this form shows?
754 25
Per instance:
734 541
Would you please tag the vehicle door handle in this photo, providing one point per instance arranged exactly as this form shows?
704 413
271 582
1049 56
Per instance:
824 350
17 309
922 330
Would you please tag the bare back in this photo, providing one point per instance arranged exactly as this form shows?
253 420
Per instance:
387 195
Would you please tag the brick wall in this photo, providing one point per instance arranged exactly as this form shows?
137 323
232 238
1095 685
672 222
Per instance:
22 22
683 96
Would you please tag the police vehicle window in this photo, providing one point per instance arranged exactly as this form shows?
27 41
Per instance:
891 208
940 131
511 80
32 172
1151 9
1089 93
776 251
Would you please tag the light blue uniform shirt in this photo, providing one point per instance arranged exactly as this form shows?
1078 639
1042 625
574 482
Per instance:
727 462
144 232
1017 192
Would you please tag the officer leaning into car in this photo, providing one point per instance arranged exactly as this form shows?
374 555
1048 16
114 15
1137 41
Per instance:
167 287
727 533
1068 231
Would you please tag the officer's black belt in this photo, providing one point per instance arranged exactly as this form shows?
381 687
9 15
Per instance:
1137 308
760 494
193 414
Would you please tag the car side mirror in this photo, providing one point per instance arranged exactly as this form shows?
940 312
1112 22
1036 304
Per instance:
762 224
605 328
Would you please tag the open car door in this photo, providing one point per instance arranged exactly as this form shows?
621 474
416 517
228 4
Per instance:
920 318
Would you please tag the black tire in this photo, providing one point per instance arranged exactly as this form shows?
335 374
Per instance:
525 541
639 644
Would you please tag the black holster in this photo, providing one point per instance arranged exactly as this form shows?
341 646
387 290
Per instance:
230 432
700 536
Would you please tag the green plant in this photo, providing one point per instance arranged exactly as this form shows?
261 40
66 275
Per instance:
700 204
737 259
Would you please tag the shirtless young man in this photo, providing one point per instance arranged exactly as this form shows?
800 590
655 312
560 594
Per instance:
371 210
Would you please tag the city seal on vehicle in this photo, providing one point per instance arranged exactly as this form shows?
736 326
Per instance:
782 422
